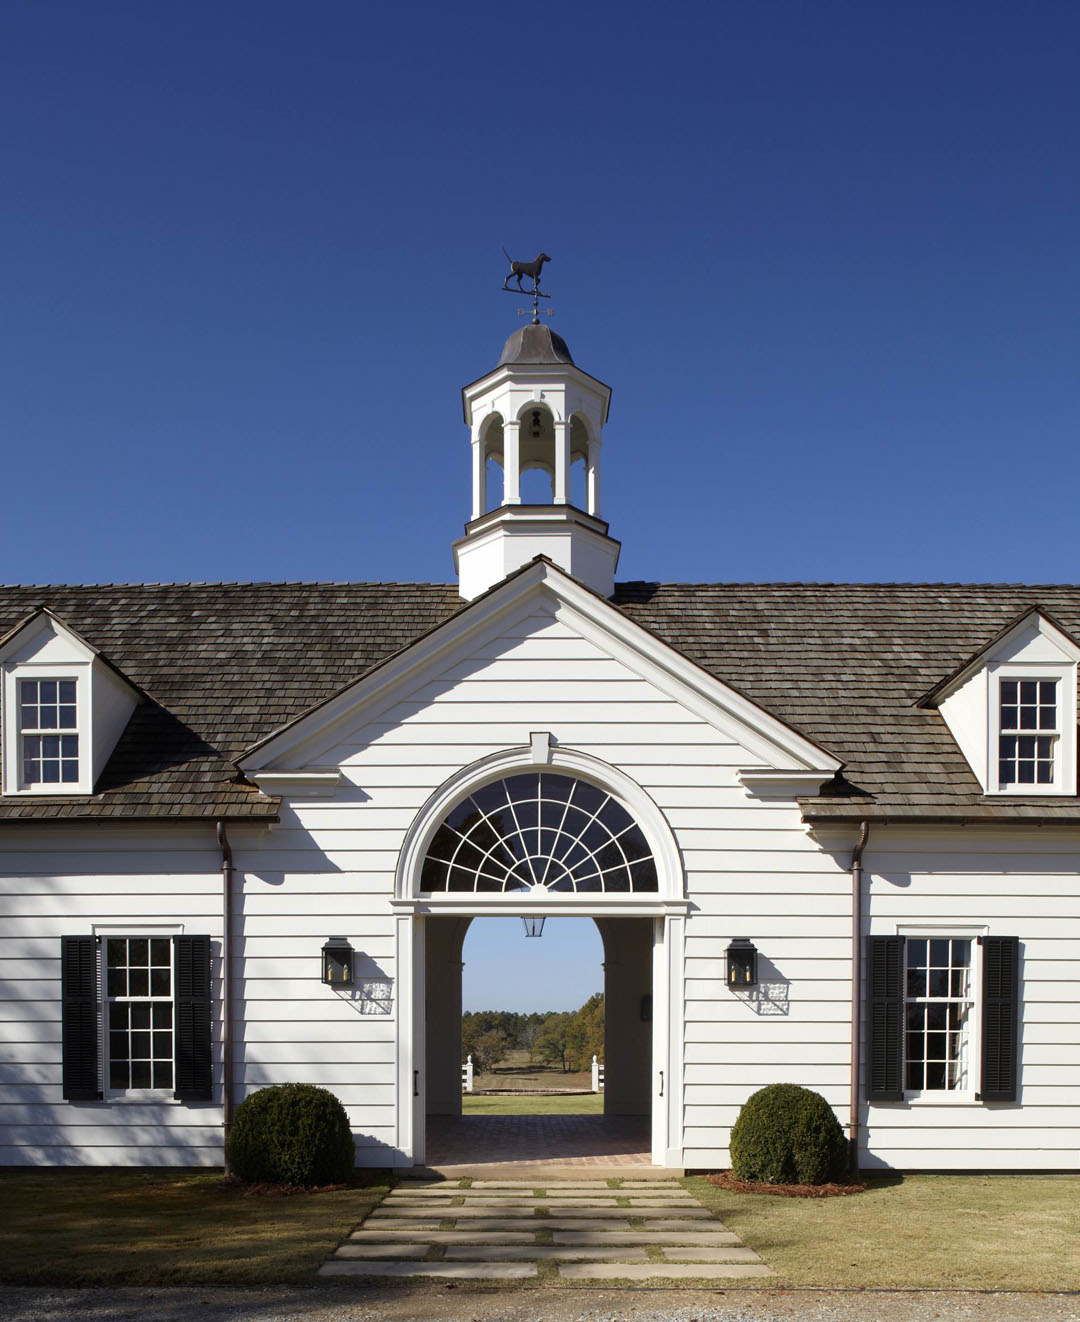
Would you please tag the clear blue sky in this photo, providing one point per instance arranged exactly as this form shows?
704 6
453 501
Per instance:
826 254
506 970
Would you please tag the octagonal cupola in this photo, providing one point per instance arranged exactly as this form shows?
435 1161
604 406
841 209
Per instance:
536 424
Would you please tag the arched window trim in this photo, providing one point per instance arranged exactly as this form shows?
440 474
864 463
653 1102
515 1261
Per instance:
496 766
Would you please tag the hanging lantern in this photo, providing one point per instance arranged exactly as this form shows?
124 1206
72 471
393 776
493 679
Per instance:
337 962
741 963
533 926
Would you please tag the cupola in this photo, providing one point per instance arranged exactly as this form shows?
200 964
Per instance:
536 410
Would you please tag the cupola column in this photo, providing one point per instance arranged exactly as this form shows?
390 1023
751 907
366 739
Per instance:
479 477
511 465
593 477
562 463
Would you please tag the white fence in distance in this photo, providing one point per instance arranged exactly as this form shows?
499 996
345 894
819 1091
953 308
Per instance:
467 1075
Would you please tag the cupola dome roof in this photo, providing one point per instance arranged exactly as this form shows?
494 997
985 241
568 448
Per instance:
535 344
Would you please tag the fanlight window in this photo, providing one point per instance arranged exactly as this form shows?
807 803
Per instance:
539 830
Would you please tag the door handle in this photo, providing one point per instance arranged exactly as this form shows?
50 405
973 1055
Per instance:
661 1083
416 1083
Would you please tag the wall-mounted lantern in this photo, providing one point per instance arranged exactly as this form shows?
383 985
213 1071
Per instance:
337 962
741 963
533 926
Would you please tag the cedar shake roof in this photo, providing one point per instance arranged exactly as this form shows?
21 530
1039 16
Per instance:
225 664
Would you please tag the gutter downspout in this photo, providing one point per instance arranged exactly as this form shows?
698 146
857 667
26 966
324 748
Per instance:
226 983
855 1101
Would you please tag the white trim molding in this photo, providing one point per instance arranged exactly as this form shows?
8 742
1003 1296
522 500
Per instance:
298 784
770 783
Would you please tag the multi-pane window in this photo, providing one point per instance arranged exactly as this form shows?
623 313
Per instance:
1028 731
939 1009
539 831
48 731
139 989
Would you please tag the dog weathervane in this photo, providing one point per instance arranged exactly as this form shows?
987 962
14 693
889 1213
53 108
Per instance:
532 271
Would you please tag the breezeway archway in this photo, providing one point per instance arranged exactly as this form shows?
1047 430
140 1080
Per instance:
533 831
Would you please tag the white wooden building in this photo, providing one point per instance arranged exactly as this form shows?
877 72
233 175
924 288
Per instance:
868 786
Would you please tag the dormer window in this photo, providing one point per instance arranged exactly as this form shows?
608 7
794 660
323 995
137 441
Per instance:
1028 731
1012 709
48 732
63 708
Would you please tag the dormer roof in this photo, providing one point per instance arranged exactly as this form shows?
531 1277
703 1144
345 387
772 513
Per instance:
1032 617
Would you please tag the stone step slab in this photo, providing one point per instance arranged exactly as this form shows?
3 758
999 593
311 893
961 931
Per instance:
406 1213
474 1271
658 1271
483 1200
500 1236
679 1225
602 1239
687 1253
381 1251
540 1253
528 1183
471 1227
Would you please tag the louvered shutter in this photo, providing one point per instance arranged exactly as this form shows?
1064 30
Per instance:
192 1018
886 978
1000 1017
80 1033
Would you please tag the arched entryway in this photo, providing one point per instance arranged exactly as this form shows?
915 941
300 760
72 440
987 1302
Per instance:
622 971
543 831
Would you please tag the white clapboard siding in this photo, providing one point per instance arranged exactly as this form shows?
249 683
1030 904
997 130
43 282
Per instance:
752 869
60 883
1018 883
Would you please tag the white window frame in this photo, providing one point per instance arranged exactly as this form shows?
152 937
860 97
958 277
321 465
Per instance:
13 780
950 1096
1064 674
103 931
41 732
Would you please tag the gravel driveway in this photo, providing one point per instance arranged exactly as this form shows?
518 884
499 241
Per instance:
469 1304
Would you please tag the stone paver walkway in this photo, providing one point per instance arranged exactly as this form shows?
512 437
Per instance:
573 1230
523 1140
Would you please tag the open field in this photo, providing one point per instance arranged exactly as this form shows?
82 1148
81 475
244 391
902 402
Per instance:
517 1071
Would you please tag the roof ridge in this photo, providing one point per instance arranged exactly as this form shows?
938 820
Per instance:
235 583
622 583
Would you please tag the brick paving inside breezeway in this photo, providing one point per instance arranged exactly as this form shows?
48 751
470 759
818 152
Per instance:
571 1230
524 1140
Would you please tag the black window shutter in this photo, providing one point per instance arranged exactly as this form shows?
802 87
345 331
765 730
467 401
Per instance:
79 1018
886 977
192 1018
1000 1017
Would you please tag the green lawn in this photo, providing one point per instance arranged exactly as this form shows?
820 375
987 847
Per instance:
534 1104
934 1231
92 1227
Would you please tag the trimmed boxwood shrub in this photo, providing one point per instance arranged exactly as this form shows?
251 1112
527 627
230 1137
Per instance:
293 1133
787 1135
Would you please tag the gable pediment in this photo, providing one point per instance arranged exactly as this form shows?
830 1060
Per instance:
453 674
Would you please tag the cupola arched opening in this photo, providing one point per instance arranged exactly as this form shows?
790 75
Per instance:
536 446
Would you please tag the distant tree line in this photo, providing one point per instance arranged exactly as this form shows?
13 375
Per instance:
568 1039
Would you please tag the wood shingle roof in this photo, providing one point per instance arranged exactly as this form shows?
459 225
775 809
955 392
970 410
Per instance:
225 664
